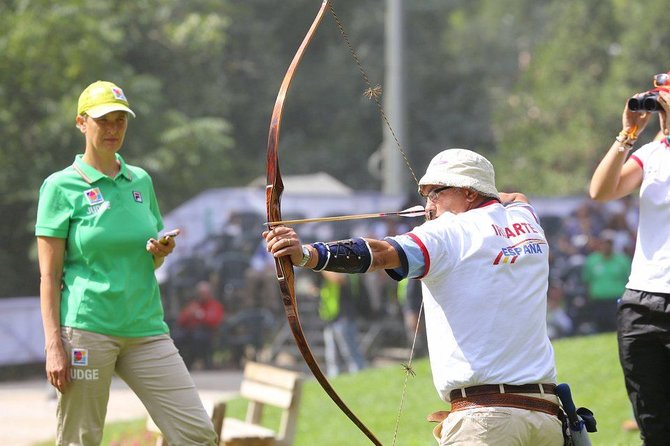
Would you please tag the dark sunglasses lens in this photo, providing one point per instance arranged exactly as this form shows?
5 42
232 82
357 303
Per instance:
432 196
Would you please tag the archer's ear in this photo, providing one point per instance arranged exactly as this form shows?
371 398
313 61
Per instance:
470 194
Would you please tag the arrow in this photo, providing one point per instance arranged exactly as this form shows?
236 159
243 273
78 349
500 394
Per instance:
414 211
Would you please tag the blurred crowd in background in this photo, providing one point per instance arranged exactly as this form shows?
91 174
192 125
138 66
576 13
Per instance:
223 303
590 257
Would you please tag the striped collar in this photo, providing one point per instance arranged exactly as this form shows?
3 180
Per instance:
91 175
488 202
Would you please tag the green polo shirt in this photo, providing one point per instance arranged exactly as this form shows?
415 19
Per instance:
606 277
109 284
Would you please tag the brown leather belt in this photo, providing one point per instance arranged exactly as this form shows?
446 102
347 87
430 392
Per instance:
506 400
488 389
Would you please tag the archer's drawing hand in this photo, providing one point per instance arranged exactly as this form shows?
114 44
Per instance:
283 241
510 197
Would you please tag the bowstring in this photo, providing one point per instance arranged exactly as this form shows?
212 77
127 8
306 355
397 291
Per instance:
408 371
374 93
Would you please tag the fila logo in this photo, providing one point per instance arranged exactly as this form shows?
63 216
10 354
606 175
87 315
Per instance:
137 196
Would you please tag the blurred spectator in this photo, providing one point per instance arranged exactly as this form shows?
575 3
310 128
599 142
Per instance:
559 324
261 289
631 209
410 298
379 287
197 325
338 310
606 273
565 271
233 227
583 223
244 333
377 291
623 238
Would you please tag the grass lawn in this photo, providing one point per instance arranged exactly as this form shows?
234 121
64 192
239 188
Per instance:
589 364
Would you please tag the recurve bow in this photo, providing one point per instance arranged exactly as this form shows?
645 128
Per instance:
283 265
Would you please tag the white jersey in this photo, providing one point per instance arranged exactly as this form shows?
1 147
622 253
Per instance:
651 263
484 275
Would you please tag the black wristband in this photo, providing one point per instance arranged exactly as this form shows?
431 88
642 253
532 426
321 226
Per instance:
323 256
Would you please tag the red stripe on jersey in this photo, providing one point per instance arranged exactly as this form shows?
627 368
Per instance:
637 160
424 251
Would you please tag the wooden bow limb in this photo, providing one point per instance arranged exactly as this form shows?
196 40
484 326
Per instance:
415 211
284 267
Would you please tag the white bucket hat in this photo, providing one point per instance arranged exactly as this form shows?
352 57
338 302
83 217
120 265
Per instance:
461 168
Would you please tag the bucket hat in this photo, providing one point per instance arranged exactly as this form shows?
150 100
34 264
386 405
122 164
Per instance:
461 168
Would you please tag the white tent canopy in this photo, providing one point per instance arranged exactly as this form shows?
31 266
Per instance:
310 184
209 214
21 334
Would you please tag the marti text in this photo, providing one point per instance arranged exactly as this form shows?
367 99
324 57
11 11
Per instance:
514 230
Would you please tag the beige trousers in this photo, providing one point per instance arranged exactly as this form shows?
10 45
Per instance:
500 426
152 368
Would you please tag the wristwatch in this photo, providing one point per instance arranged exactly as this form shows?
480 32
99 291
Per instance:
306 255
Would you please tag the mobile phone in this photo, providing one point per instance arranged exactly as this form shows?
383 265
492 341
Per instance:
168 235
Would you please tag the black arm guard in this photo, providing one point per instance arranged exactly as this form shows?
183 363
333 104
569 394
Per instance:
344 256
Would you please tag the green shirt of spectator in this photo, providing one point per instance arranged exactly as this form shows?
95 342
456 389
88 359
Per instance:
606 272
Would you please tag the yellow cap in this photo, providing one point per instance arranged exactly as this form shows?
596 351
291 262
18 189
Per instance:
102 97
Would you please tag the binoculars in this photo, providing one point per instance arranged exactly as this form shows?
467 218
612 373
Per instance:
646 102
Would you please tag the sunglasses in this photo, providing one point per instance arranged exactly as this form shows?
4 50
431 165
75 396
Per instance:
433 194
661 79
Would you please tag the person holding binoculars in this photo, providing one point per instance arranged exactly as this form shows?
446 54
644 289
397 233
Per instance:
648 101
643 315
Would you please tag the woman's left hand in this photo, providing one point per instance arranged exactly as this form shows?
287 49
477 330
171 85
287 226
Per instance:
162 248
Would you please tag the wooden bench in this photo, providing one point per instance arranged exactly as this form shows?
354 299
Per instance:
265 385
262 385
216 412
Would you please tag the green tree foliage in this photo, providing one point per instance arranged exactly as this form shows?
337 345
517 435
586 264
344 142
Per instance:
159 51
536 85
565 110
466 56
